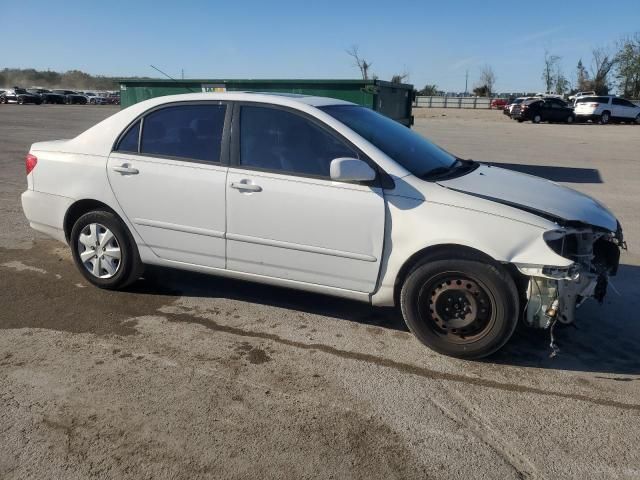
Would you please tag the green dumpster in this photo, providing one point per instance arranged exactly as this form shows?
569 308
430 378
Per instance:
391 99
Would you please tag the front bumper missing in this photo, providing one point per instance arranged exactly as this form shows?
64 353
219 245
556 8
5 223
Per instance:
550 299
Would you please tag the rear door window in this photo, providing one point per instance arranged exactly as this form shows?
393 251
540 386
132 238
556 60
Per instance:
129 141
191 132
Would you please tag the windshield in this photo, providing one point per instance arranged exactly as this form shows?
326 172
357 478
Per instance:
21 90
414 152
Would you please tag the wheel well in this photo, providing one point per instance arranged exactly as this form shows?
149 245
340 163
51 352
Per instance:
78 209
438 252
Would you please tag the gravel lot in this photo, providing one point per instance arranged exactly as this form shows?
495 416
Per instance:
189 376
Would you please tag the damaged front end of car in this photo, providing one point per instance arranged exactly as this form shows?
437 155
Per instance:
554 293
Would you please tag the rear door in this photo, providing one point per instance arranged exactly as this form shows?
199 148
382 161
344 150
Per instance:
558 110
624 109
168 173
286 218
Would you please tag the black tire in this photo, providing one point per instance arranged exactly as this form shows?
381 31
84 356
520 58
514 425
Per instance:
536 118
605 117
485 287
520 120
129 267
20 101
571 119
638 119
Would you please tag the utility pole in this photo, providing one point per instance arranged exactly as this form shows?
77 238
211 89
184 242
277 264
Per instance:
466 83
182 73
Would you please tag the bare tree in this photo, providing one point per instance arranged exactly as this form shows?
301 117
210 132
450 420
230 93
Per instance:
561 82
602 64
487 79
361 63
549 71
400 77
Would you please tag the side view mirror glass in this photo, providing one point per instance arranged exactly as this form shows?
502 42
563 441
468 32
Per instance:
351 170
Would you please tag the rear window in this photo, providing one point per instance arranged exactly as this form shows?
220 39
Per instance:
184 131
593 100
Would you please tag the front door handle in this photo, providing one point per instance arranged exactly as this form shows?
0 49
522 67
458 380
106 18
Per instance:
247 187
126 169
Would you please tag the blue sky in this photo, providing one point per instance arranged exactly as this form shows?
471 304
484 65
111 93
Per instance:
435 42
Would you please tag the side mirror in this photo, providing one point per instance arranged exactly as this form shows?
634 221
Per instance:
351 170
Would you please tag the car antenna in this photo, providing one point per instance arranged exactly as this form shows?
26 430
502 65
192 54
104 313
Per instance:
171 78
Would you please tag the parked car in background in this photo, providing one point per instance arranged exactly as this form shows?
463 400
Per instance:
606 109
47 96
509 107
301 192
577 95
114 98
548 109
19 96
72 97
96 99
499 103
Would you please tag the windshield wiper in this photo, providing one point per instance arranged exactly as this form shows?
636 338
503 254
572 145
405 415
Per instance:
456 169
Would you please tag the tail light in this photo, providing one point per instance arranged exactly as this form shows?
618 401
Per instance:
30 162
594 105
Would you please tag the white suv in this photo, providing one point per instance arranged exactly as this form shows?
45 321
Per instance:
606 109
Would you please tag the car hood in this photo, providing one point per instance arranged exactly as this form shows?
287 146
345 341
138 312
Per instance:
533 194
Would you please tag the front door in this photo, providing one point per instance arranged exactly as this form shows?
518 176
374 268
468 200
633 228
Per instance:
285 217
170 181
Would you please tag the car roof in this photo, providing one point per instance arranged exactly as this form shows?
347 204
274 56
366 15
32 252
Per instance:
290 99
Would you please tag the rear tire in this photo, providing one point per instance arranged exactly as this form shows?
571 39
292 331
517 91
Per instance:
104 251
638 119
20 101
605 118
570 119
536 118
463 307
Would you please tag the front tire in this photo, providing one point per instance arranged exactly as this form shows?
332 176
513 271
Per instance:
570 119
464 308
104 251
536 118
605 118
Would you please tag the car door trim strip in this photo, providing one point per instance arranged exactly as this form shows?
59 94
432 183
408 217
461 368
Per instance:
178 228
303 248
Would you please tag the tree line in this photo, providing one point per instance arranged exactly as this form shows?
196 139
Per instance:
73 79
610 69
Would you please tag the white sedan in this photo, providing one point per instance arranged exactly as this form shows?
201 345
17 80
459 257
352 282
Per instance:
327 196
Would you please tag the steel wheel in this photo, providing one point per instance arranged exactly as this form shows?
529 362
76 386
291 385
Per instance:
99 250
456 307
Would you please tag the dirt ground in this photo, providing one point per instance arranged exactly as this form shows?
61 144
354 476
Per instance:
186 376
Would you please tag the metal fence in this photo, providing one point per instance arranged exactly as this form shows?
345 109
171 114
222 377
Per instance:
461 102
454 102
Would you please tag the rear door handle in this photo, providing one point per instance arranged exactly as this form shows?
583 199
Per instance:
248 187
126 169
